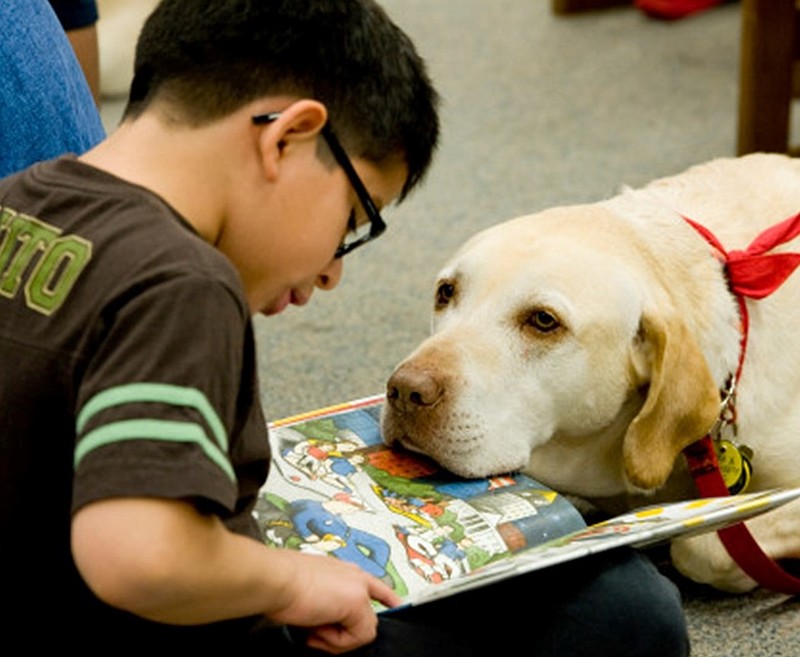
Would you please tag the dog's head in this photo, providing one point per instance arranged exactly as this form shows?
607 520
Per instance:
555 351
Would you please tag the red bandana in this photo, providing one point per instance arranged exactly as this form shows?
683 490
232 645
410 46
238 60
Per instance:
755 273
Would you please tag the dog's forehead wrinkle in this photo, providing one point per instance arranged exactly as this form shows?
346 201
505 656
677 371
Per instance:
574 226
567 257
547 282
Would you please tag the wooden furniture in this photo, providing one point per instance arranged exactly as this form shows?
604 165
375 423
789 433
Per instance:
768 59
769 70
571 6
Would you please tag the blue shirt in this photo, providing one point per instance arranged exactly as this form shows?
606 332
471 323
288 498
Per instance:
46 108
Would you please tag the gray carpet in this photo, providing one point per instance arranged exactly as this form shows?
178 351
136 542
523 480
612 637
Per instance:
539 110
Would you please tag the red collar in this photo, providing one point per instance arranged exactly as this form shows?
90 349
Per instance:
753 273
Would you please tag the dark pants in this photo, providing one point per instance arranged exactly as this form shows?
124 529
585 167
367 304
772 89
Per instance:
615 604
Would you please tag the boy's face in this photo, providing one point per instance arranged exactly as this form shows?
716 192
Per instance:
291 237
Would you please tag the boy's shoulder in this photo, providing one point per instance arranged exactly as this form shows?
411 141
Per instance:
121 235
75 198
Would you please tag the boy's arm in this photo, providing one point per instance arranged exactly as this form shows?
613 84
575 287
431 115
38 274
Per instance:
163 560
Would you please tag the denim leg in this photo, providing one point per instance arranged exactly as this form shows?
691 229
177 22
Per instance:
46 108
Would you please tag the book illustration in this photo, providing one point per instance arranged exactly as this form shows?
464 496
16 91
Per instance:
336 489
641 528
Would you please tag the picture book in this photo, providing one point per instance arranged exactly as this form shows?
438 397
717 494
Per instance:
336 489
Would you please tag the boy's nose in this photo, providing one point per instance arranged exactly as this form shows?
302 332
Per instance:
330 276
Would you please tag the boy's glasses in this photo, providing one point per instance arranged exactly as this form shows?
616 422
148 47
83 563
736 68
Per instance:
357 235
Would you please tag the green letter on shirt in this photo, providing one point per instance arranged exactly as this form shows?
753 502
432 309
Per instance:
36 253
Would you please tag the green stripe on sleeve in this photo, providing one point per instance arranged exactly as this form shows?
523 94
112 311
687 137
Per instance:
165 430
162 393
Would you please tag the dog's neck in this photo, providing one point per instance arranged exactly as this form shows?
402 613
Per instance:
586 465
709 309
717 324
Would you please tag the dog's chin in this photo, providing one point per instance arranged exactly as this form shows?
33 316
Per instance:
471 464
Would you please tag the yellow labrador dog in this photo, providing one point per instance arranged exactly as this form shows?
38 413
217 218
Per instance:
588 345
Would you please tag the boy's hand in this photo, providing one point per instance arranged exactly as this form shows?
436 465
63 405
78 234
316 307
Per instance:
162 560
332 599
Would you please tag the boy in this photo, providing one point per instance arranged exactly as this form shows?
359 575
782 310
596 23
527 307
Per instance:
260 140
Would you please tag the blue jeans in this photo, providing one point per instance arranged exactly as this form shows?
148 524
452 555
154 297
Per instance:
46 108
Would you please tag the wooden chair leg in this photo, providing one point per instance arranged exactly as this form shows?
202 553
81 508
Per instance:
573 6
765 75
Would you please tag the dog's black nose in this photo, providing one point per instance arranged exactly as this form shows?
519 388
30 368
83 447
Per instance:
411 389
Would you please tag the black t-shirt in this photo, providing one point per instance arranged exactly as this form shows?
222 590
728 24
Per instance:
127 368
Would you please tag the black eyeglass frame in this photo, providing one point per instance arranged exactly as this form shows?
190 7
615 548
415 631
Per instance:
377 226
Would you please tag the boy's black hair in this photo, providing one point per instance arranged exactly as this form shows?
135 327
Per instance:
208 58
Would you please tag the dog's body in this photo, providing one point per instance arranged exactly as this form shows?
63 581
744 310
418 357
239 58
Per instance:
588 346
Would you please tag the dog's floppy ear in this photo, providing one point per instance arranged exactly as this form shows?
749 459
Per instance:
682 401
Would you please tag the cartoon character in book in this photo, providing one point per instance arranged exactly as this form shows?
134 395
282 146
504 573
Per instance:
451 559
342 465
600 532
418 554
321 526
422 512
432 554
325 460
275 527
455 554
650 517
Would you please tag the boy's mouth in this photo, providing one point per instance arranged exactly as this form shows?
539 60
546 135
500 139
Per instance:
293 297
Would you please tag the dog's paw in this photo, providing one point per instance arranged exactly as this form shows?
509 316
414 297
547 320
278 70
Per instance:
705 560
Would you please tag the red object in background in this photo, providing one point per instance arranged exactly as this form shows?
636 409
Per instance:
674 9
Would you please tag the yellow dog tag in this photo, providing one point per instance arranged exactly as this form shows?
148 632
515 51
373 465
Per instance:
735 466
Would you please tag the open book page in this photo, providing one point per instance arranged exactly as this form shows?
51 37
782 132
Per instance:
336 489
641 528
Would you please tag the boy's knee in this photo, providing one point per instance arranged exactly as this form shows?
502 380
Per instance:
650 615
628 609
661 625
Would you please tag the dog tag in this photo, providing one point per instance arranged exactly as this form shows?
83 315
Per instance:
735 466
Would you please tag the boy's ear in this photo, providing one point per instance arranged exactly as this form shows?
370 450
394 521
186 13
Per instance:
298 123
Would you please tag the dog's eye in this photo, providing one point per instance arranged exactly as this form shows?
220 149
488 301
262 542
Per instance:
445 293
543 321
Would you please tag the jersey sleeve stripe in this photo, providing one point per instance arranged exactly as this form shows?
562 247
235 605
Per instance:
166 430
162 393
